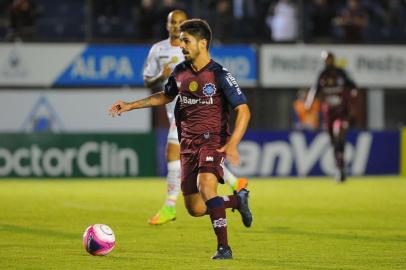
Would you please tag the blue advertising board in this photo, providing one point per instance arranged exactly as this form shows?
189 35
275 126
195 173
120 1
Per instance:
114 65
108 65
240 60
266 153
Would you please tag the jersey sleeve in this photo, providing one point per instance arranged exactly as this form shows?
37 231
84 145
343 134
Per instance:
231 89
348 81
318 84
171 87
151 66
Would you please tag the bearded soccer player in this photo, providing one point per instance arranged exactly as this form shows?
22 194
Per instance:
336 91
162 58
206 90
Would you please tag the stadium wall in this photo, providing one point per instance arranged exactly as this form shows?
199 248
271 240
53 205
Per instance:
70 110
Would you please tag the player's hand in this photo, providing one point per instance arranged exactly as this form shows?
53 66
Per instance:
231 152
166 71
118 108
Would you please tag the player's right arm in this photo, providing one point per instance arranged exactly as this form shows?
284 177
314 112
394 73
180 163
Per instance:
311 96
157 99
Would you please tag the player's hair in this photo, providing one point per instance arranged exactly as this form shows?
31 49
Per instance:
198 28
325 54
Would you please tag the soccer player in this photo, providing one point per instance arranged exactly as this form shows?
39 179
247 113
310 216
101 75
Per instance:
206 90
162 58
336 91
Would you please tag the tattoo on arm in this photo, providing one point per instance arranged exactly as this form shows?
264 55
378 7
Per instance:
156 99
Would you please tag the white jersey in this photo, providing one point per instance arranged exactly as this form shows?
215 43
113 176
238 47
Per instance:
161 53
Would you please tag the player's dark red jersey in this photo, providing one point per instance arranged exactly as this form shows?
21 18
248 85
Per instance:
202 108
334 87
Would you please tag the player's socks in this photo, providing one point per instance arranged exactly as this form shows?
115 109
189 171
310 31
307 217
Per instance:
231 201
235 183
173 182
217 212
339 158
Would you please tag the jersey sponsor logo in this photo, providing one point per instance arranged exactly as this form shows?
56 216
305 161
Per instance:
193 85
209 89
221 222
333 100
232 81
209 159
193 101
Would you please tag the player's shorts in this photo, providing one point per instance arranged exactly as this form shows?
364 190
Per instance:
205 159
173 132
334 115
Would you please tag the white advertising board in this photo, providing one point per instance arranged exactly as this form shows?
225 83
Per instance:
35 64
298 65
70 110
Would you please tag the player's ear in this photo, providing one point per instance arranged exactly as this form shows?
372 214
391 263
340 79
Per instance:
203 44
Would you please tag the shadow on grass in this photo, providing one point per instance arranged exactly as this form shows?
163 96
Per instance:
36 231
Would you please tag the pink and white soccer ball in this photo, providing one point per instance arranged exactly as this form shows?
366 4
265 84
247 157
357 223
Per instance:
99 239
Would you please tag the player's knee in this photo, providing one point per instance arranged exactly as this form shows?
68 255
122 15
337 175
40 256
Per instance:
172 152
196 211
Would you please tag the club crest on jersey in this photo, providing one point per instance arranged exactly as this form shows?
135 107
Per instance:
193 85
174 60
209 89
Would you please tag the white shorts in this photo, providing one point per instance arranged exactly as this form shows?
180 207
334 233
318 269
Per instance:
173 132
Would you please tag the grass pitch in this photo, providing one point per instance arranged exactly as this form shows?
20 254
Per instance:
298 224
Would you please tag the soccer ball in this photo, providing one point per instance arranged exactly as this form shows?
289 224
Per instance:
99 239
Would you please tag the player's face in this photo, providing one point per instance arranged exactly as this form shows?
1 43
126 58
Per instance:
190 46
329 61
173 23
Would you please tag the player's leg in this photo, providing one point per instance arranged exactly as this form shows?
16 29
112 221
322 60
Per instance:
235 183
168 211
207 185
338 134
210 174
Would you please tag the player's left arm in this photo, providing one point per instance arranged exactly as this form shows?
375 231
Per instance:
348 81
238 101
241 124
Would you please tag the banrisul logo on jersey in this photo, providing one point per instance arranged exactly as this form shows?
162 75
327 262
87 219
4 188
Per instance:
209 89
74 155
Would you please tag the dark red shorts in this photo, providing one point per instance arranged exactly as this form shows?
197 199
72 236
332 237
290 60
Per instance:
332 114
204 160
